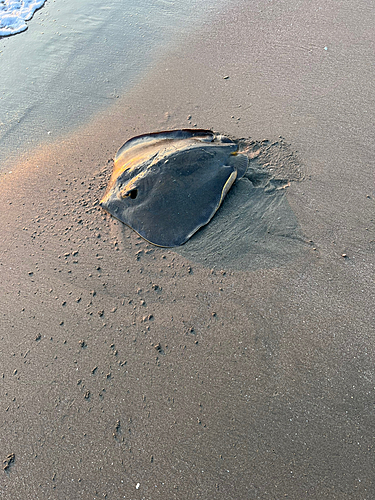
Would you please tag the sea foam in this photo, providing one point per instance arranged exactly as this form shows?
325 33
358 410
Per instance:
14 13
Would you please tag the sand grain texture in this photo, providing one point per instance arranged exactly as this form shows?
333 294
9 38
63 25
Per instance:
133 371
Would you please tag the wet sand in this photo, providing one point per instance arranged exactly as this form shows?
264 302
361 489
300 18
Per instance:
130 371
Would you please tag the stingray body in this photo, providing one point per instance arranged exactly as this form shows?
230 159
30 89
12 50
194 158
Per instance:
167 185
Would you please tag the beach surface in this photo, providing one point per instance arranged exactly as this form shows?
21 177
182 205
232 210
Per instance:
240 365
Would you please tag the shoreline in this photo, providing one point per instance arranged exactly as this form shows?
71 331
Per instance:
75 60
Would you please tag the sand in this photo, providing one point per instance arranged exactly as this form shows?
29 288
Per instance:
241 365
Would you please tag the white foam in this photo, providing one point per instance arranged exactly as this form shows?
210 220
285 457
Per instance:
14 13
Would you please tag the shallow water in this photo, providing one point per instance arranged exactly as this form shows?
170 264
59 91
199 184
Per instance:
76 59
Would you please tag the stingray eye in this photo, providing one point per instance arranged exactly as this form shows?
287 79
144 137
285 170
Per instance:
131 194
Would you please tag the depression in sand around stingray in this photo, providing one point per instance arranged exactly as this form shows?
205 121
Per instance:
167 186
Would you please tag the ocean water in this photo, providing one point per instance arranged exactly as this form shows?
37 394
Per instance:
76 57
15 13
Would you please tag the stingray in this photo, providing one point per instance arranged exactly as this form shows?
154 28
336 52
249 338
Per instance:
167 185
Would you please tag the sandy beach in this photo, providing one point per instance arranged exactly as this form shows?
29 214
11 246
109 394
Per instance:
240 365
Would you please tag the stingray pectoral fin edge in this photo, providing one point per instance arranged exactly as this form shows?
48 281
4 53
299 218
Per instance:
226 188
228 184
